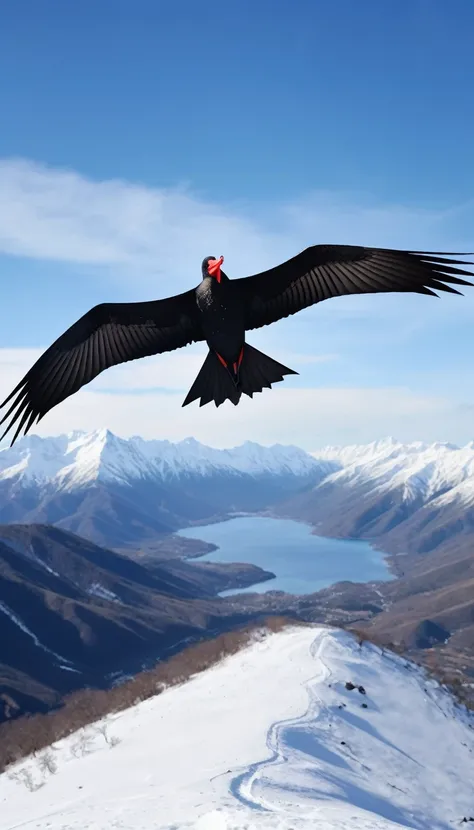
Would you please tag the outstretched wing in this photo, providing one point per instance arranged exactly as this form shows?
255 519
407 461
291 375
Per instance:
108 334
325 271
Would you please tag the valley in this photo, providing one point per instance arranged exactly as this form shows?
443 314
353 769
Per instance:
95 579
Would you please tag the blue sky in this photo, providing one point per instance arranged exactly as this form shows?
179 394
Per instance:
138 137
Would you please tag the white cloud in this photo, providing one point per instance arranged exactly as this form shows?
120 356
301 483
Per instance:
55 214
149 242
287 414
60 215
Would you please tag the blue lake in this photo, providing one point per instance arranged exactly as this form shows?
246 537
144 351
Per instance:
303 563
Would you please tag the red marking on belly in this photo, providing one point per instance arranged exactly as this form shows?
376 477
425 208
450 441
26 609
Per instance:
238 361
224 363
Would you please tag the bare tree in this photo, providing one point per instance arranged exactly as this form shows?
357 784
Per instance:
25 776
114 741
103 729
83 745
47 762
15 776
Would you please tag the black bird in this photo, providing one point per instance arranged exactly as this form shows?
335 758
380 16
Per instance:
220 311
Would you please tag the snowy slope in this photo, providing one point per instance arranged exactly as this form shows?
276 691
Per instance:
79 459
270 738
420 471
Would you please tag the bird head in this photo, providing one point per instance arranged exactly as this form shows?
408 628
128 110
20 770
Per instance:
211 267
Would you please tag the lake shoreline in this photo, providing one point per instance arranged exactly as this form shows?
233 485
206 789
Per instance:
372 559
390 559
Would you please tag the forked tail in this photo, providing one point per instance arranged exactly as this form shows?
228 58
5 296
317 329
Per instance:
218 382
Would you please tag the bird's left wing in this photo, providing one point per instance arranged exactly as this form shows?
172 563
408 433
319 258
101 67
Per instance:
326 271
108 334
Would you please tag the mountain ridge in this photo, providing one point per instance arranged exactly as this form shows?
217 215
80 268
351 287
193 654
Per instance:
129 492
403 497
79 458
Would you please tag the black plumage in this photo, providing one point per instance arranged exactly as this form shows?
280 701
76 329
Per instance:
220 311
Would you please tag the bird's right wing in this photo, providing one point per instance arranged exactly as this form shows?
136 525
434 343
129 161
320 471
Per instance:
326 271
108 334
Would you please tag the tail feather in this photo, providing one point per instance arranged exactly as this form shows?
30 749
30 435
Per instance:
217 383
213 383
258 371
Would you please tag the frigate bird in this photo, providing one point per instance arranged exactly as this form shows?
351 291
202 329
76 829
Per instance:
220 311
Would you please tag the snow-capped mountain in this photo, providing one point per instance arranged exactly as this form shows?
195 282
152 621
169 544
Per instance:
69 462
427 471
117 491
272 737
121 492
80 459
415 495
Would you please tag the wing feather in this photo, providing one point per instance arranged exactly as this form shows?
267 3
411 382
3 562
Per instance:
108 334
325 271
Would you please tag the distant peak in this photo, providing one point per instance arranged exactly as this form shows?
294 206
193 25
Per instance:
76 433
102 434
389 441
82 458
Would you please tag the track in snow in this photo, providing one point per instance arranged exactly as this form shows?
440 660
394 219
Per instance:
243 786
315 739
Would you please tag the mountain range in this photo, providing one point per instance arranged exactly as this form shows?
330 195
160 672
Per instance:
71 505
127 492
132 492
415 496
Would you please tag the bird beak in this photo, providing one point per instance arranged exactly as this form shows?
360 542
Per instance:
214 268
